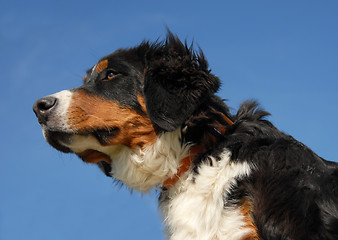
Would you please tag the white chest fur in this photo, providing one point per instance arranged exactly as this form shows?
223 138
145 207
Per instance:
195 207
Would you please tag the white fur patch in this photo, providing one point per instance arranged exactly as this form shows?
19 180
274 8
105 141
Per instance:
140 169
196 206
64 97
144 169
93 69
58 119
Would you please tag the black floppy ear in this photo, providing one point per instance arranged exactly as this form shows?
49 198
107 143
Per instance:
177 81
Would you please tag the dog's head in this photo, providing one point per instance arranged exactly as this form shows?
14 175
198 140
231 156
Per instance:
127 100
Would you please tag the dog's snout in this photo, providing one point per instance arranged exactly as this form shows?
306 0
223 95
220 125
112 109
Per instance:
43 107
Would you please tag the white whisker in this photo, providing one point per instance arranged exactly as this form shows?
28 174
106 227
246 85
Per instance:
108 129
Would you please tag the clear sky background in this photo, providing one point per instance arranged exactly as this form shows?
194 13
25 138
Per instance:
282 53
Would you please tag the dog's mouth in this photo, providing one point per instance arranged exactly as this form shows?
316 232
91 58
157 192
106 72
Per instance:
101 159
65 141
68 143
58 140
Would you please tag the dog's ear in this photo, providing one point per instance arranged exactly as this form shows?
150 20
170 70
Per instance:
177 80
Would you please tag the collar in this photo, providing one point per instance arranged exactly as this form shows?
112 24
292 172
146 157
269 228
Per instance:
195 151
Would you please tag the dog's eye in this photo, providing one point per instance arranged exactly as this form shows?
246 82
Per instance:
110 75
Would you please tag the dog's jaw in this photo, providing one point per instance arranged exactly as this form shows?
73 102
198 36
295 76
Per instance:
138 168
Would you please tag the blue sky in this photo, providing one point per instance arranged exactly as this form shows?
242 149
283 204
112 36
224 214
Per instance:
282 53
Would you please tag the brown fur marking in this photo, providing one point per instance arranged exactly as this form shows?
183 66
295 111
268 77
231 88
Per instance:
92 156
101 66
246 210
88 113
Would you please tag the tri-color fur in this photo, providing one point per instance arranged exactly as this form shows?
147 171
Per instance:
141 111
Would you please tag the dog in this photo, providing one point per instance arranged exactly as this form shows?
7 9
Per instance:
148 116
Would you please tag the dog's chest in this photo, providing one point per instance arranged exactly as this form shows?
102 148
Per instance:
195 208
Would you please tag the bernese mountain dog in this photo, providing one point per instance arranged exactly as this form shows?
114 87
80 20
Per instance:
148 116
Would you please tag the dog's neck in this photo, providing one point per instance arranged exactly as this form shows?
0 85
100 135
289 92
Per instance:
146 168
209 139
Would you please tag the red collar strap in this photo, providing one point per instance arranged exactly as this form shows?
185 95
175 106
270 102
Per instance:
186 162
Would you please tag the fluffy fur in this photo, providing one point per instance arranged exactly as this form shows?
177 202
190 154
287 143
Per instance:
141 111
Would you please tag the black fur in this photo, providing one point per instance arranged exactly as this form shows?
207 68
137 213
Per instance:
294 192
176 82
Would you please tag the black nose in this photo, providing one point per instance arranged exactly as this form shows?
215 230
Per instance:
43 108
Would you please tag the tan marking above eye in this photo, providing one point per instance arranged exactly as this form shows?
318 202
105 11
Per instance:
88 113
101 66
